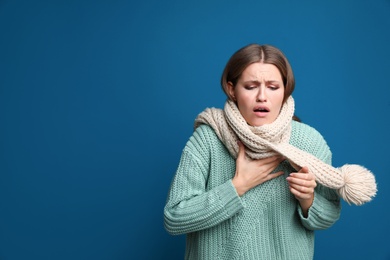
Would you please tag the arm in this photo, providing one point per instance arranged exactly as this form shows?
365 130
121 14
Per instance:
323 209
302 185
190 207
322 203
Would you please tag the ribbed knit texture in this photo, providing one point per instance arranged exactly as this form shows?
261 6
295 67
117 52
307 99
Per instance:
265 223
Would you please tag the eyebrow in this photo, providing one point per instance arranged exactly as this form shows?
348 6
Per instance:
258 82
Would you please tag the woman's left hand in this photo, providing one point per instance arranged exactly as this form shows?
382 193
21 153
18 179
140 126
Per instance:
302 184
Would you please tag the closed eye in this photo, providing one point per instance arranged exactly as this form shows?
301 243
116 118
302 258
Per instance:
250 87
273 84
273 87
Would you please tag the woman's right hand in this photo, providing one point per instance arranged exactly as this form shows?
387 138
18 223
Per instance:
250 173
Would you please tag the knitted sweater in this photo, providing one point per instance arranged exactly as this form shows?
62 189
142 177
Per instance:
265 223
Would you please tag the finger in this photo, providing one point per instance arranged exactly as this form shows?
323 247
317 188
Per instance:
269 167
301 182
304 169
302 189
272 159
304 173
299 195
302 176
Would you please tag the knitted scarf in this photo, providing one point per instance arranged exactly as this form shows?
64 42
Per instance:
354 183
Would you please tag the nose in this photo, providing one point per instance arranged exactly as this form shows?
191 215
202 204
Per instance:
261 97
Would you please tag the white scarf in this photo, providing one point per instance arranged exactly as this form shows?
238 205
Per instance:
354 183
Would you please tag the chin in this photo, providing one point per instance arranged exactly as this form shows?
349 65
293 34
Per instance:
257 123
261 122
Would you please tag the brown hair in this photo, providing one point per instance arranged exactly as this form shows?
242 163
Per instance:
253 53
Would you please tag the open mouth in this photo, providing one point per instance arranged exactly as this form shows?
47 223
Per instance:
261 109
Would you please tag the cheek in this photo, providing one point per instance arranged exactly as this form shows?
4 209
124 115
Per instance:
280 106
245 97
243 101
279 99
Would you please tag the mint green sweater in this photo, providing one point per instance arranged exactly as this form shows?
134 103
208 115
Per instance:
265 223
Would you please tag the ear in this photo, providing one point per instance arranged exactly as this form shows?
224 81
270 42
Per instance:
231 93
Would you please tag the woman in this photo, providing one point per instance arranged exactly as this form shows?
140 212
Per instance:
235 193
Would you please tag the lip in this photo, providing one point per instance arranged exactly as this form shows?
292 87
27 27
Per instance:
261 111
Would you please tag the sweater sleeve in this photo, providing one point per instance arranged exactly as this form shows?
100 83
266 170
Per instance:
326 207
190 206
324 211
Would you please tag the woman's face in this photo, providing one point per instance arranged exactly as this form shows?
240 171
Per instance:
259 93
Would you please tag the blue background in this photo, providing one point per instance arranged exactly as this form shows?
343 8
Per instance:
98 98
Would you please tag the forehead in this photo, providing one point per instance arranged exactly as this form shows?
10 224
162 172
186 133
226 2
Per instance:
262 71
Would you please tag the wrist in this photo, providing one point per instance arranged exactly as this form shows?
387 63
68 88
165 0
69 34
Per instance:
305 205
240 188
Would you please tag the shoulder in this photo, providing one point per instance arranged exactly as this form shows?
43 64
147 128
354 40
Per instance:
203 140
203 133
308 139
301 130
